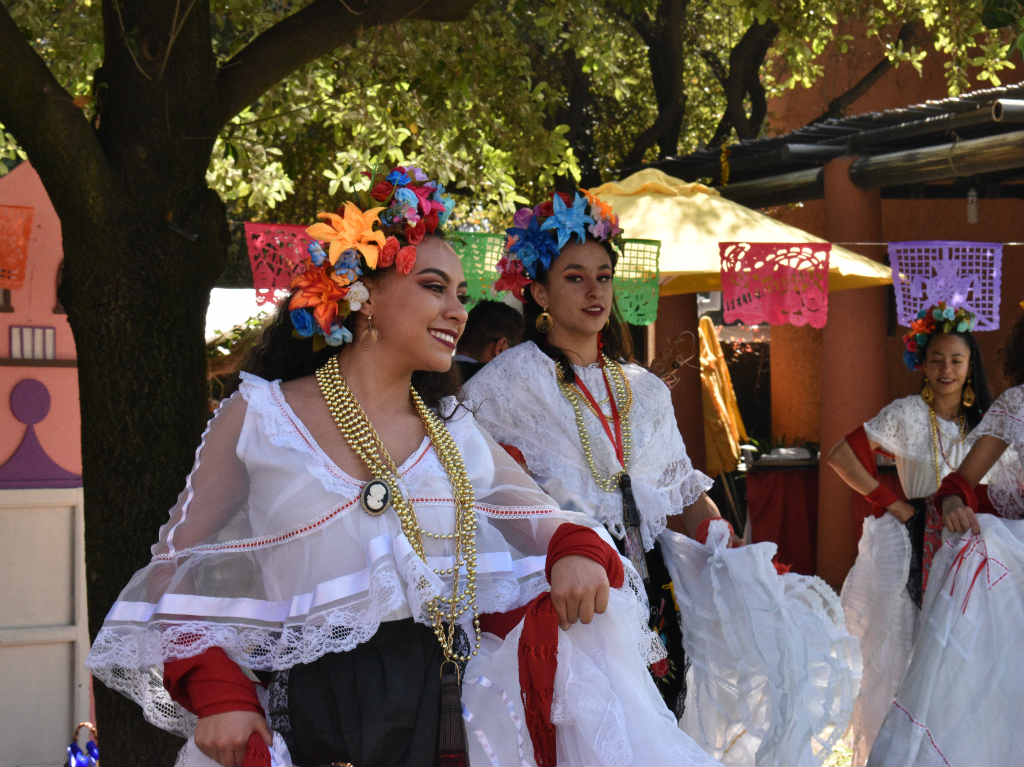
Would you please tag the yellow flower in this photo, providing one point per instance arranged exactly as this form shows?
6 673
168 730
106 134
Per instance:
352 230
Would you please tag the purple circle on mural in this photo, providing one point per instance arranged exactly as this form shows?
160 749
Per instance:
30 401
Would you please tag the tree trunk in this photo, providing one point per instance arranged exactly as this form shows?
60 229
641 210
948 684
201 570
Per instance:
142 385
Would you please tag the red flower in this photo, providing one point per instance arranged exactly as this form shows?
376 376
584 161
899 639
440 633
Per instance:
660 669
406 259
388 253
512 277
431 222
415 234
545 209
381 191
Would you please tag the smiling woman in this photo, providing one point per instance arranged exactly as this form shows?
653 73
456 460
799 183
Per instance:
348 533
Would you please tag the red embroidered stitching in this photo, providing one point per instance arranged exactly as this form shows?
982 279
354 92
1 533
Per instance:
253 543
927 731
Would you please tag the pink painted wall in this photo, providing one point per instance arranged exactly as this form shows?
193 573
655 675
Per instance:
60 431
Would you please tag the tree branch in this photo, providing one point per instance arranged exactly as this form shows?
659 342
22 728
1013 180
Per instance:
743 81
42 117
318 28
837 107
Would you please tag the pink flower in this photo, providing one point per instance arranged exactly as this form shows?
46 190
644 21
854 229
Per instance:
521 220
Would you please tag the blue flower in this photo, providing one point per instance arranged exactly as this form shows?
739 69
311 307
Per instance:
445 200
302 321
963 326
948 313
407 197
398 178
316 253
922 339
921 314
339 335
937 313
910 359
348 261
568 221
534 247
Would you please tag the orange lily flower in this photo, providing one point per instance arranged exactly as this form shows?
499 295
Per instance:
601 205
316 289
353 230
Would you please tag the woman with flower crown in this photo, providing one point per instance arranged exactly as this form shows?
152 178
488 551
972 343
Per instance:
770 678
350 537
960 699
927 435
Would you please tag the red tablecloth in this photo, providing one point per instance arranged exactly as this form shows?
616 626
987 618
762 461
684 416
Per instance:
783 507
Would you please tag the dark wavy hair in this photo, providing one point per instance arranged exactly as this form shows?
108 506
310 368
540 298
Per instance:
975 376
617 342
281 355
1013 353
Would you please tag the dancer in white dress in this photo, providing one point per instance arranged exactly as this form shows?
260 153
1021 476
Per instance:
927 436
960 699
347 533
773 670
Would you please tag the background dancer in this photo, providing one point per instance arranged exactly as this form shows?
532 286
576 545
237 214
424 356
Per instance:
599 434
927 435
959 700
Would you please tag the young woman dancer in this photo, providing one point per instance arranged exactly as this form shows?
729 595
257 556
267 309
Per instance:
927 435
959 700
349 534
599 434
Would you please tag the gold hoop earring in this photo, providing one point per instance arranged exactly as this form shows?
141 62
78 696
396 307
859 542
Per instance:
544 323
927 394
968 397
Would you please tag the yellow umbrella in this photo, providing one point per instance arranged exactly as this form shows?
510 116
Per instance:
691 219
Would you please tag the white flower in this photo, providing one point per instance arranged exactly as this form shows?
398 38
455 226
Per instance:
356 296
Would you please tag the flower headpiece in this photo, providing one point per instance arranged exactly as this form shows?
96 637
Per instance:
538 235
328 288
938 318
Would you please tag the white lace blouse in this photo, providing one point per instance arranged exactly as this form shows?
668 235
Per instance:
516 397
269 554
903 428
1005 420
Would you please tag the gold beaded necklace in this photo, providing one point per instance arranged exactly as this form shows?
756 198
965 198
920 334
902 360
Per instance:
610 483
937 448
364 441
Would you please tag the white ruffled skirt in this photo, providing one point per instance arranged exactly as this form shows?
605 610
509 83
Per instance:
773 669
960 699
606 707
880 613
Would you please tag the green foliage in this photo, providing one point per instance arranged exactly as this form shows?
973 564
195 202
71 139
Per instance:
477 102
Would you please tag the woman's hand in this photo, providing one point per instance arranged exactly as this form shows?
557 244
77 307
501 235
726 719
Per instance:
959 518
902 510
579 588
225 737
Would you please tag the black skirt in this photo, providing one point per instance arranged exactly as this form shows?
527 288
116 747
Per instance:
915 528
670 674
378 703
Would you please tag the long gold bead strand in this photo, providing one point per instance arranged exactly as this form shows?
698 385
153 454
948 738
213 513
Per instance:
609 483
364 441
